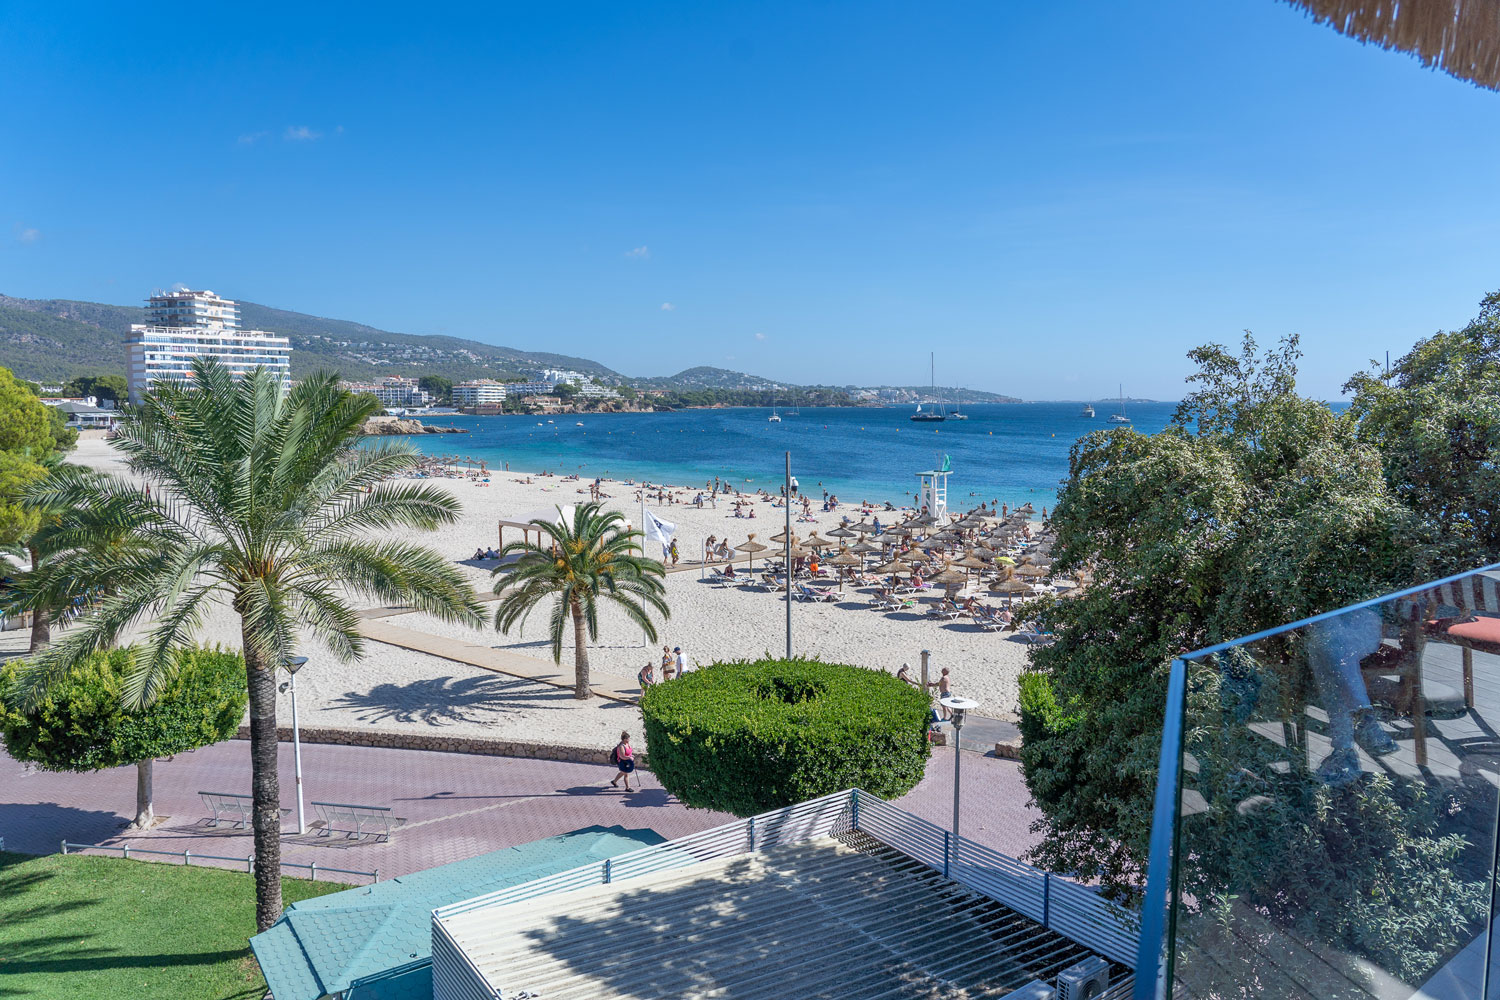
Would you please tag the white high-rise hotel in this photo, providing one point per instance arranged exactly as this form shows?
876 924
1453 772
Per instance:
181 326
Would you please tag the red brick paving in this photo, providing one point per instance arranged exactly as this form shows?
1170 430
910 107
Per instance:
455 805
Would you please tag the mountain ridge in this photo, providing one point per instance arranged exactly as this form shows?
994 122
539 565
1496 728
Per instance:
52 340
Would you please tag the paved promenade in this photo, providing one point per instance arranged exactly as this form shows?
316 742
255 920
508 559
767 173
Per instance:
454 805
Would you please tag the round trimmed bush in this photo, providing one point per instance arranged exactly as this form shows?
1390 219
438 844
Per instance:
749 736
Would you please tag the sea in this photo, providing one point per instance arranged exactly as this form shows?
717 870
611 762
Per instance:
1010 452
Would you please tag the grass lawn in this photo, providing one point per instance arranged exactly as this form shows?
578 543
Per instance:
92 928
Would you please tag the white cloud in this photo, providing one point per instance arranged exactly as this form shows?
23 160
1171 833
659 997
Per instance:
251 138
667 307
760 336
639 253
28 234
300 133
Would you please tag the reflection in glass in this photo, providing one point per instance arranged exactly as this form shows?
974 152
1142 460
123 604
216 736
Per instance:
1338 802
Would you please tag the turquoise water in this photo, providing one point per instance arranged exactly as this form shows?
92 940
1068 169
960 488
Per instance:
1010 452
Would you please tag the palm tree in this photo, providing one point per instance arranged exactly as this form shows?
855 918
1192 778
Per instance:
262 499
578 563
38 590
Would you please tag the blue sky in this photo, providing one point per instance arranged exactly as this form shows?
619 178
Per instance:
1053 197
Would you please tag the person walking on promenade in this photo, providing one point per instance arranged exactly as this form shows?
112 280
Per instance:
623 757
679 661
672 551
667 664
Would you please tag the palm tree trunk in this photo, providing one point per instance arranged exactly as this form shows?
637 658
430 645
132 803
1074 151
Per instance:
265 788
145 815
41 621
580 656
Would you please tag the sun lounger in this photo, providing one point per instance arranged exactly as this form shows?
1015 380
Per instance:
806 593
945 610
987 622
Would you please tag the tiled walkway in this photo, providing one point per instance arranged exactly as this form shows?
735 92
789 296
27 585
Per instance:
454 805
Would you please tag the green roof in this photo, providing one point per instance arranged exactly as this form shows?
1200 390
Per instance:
375 941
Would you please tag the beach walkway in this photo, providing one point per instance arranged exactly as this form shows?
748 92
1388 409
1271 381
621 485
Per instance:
501 661
454 805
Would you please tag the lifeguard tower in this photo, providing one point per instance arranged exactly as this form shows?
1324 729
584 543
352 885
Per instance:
932 489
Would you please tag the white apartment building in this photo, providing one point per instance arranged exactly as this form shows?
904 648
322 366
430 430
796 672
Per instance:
182 326
394 391
480 392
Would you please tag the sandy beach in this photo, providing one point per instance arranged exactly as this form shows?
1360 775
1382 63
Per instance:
396 688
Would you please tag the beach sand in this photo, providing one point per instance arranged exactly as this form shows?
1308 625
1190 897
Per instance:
399 689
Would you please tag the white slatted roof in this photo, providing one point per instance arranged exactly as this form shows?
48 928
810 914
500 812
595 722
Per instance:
844 918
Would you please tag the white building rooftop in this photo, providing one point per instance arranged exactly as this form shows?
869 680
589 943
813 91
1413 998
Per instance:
822 909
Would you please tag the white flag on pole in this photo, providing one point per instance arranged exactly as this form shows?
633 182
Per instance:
657 530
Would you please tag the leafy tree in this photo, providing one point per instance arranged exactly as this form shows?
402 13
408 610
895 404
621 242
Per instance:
85 725
266 500
436 386
103 387
1255 508
576 564
24 426
564 390
63 436
1436 420
16 522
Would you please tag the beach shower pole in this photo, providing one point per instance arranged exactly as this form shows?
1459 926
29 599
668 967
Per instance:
787 489
292 664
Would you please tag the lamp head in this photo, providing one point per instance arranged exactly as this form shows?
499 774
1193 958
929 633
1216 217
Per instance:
958 706
293 663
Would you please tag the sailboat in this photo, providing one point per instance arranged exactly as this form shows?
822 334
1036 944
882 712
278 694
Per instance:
1119 417
958 414
775 417
930 416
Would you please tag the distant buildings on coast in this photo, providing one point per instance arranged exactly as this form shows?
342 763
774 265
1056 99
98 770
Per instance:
182 326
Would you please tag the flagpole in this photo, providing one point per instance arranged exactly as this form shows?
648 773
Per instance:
788 557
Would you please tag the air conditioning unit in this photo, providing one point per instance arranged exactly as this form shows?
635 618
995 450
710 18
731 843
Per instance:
1083 981
1034 990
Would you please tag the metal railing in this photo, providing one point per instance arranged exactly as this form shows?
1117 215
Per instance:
1058 904
188 857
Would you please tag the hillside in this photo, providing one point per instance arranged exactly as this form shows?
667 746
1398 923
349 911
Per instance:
53 339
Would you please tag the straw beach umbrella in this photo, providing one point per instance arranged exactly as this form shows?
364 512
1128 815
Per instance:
812 541
1459 37
951 577
842 532
750 546
894 568
845 558
1010 588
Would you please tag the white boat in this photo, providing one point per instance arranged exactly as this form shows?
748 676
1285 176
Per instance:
1119 417
775 417
929 416
1088 411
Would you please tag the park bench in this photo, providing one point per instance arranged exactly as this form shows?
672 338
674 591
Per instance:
356 821
229 804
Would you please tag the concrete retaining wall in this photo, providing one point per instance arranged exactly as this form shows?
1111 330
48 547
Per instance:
448 744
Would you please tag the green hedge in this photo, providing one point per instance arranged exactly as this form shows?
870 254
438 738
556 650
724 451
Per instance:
83 725
745 737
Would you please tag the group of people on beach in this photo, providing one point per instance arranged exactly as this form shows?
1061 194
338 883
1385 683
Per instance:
673 664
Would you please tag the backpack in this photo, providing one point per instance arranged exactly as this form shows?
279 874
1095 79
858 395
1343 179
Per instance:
614 756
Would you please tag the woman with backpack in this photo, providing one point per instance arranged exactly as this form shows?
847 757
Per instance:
623 757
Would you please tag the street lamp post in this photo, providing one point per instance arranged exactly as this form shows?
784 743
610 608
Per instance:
292 665
957 706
